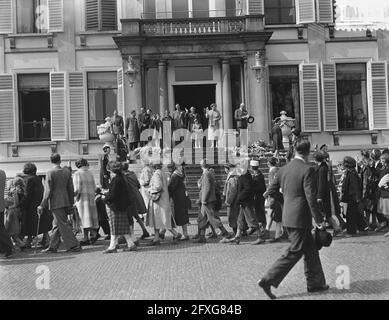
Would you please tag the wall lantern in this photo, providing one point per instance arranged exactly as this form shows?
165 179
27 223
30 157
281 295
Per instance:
131 71
259 68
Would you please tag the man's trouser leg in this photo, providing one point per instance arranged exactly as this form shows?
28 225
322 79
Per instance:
5 240
302 243
248 216
61 228
212 216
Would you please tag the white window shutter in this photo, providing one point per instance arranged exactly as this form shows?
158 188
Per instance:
325 13
77 106
378 95
255 7
7 108
305 11
120 95
92 15
58 106
329 96
6 14
310 97
55 15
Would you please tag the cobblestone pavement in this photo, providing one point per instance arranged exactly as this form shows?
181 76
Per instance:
192 271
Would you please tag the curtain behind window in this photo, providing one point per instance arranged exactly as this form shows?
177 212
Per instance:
31 16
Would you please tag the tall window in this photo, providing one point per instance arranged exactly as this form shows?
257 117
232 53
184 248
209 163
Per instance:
200 8
231 8
149 10
284 88
34 107
31 16
101 15
180 9
352 96
280 12
102 95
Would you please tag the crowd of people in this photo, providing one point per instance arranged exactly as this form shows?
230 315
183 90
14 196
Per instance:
70 202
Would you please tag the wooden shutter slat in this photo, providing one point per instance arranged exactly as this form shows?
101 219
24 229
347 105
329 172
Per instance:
58 106
329 97
325 13
92 14
256 7
108 15
7 109
77 106
305 11
6 16
378 95
310 97
55 15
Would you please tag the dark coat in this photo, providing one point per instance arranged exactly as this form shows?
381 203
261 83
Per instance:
323 187
259 188
191 119
144 120
177 191
29 204
132 127
276 136
118 125
104 173
139 204
245 190
383 193
297 180
117 197
351 188
179 119
207 187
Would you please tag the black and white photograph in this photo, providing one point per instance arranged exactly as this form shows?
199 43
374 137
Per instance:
180 151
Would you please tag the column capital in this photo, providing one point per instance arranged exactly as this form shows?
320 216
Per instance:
162 63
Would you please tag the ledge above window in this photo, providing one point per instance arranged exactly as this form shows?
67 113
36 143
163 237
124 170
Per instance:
29 35
283 26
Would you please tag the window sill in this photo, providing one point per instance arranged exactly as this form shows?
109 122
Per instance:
355 132
29 35
35 143
283 26
95 32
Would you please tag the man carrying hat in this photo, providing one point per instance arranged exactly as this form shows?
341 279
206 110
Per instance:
298 185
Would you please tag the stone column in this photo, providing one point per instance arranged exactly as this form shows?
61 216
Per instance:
133 88
257 99
226 89
163 86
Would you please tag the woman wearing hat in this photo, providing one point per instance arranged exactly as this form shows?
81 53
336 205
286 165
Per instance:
351 194
383 184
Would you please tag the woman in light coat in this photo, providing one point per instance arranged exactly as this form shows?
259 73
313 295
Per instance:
214 118
144 180
84 194
159 215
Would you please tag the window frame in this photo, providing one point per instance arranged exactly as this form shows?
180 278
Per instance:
100 20
104 105
16 20
279 10
368 111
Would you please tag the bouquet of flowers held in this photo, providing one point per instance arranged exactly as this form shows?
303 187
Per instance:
260 149
105 127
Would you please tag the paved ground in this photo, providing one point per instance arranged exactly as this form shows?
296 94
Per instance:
191 271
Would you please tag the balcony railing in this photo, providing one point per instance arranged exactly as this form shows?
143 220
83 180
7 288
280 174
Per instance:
192 26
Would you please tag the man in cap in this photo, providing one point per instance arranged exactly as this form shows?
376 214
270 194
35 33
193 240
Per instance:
207 214
104 173
297 180
246 202
259 188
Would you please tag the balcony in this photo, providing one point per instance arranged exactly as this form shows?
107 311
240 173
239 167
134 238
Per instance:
192 26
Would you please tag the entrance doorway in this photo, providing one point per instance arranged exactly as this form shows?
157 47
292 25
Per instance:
199 96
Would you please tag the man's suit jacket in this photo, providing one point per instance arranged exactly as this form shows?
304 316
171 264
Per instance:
207 187
297 180
2 187
59 191
245 190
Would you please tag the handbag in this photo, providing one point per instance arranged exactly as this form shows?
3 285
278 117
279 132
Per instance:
155 196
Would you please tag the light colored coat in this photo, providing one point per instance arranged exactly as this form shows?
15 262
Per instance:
214 118
144 180
84 194
159 212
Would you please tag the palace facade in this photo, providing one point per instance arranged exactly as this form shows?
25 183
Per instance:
66 65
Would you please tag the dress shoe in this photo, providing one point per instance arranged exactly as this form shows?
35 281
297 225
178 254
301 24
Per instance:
211 235
154 243
274 240
337 233
110 251
235 240
185 238
318 289
195 237
75 249
145 235
95 238
132 248
258 241
266 288
381 227
107 237
49 250
225 240
84 243
162 235
251 231
266 234
177 238
200 239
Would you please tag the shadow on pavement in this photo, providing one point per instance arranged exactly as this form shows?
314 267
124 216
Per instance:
365 287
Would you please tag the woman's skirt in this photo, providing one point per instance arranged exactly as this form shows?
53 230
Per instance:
119 222
383 206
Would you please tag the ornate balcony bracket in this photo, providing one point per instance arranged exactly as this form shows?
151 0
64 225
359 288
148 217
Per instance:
374 137
336 138
53 147
50 41
12 43
15 150
331 30
83 40
84 147
300 33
